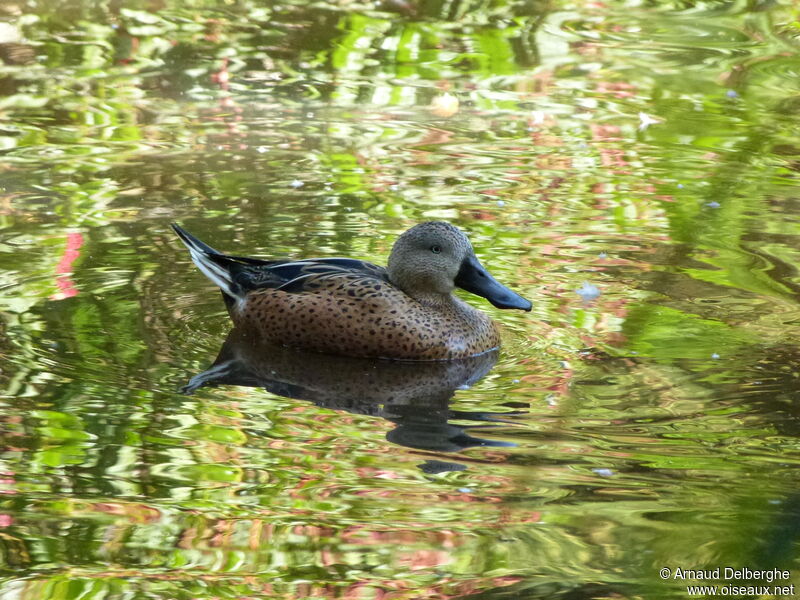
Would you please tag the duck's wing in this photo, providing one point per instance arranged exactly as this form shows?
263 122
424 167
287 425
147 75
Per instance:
317 278
291 276
238 275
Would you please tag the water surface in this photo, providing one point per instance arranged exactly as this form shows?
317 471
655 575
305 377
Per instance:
630 167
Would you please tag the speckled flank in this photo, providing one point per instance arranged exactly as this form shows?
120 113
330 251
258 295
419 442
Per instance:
357 316
353 308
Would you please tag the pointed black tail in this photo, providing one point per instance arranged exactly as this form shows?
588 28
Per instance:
216 266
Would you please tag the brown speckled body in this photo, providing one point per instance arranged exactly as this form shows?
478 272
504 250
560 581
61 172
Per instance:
353 308
358 316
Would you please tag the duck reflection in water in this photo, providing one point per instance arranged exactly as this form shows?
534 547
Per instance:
413 395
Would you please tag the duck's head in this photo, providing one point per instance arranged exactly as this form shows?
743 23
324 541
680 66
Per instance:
435 257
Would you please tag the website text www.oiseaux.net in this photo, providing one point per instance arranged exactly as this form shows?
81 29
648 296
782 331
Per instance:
729 581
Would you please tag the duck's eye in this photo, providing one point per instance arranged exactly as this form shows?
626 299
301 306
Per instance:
436 249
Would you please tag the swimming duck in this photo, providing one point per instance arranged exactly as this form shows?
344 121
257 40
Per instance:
350 307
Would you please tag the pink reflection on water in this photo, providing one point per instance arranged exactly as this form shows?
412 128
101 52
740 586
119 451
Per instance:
66 287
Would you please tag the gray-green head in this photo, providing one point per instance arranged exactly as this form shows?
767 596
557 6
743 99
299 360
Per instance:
435 257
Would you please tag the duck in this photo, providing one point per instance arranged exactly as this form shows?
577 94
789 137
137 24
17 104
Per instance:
351 307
